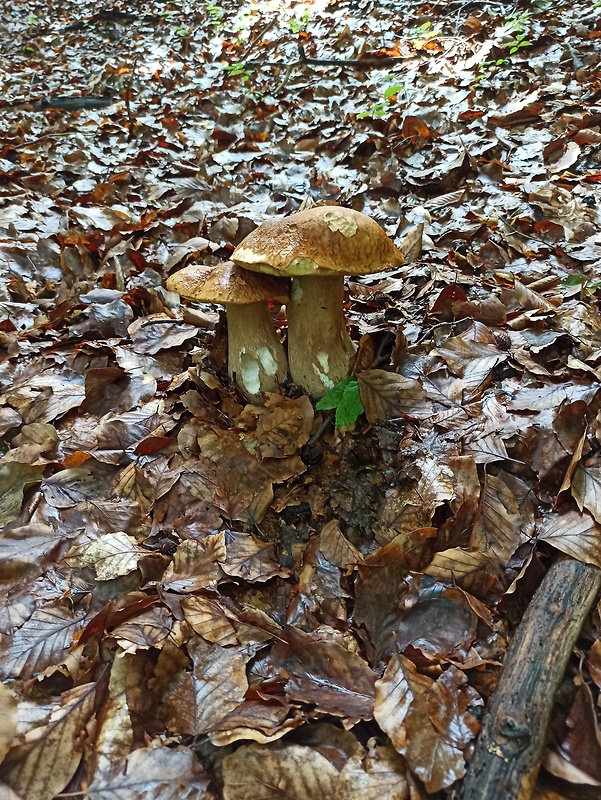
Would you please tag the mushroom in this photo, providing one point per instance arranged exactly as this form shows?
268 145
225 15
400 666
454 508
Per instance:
316 248
256 358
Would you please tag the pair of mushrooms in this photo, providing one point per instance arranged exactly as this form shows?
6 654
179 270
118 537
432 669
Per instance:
315 248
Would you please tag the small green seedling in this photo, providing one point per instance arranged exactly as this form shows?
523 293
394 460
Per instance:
298 24
238 70
519 42
345 398
215 13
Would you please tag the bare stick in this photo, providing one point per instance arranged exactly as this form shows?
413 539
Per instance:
509 749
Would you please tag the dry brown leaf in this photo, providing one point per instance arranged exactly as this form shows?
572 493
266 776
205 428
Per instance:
283 425
456 563
211 620
395 692
196 565
8 719
386 395
497 530
255 722
337 548
327 674
434 760
111 555
154 773
14 477
133 485
278 772
115 736
377 773
577 535
28 549
449 701
586 489
41 641
149 629
250 558
41 766
194 702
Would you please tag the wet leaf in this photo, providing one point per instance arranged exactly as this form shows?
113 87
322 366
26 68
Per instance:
14 477
194 701
386 395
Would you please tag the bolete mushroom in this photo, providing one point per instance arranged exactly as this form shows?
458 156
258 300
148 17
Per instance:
256 358
316 248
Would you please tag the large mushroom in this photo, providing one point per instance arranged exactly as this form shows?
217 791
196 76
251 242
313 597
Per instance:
256 358
316 248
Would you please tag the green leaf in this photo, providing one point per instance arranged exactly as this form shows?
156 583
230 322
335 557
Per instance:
572 280
333 396
350 407
391 90
345 398
14 477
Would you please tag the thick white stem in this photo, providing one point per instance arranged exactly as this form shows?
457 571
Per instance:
319 347
256 358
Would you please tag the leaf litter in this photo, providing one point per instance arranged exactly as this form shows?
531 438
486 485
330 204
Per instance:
206 598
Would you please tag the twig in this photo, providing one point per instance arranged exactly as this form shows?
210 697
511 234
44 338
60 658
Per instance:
509 749
257 38
327 421
357 63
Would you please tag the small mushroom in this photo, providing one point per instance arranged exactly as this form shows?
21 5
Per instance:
316 248
256 358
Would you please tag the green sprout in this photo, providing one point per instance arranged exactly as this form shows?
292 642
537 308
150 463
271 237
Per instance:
519 41
345 398
215 13
298 24
238 70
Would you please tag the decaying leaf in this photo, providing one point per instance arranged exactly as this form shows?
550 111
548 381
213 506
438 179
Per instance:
155 773
14 477
111 555
194 701
386 395
577 535
41 766
8 720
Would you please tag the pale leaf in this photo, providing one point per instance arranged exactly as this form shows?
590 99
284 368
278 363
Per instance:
111 555
586 490
8 719
153 773
42 766
279 771
42 641
577 535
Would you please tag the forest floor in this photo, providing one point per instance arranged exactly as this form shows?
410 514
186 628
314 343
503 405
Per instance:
205 598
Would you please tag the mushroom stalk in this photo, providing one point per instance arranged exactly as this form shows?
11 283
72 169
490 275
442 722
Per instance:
319 346
256 358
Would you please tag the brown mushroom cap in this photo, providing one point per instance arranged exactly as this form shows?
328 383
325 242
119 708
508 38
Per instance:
226 283
325 240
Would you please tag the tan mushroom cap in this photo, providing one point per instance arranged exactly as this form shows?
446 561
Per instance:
226 283
325 240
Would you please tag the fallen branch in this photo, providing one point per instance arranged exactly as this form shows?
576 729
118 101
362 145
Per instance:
509 749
